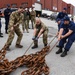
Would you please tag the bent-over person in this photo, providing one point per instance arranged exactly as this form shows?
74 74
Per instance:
15 20
39 29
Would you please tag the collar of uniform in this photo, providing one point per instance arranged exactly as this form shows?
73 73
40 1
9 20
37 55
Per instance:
18 13
69 23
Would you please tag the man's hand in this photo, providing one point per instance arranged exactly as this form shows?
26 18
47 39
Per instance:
36 38
62 37
59 38
57 34
12 29
9 13
33 38
15 25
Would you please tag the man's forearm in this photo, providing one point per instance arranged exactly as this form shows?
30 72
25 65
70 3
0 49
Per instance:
61 31
41 31
60 34
34 32
69 33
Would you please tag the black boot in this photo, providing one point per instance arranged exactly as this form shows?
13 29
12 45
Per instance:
19 46
35 46
6 48
6 32
32 26
59 51
57 46
45 45
64 53
1 35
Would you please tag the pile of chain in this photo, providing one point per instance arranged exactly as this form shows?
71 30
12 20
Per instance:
37 69
35 62
2 53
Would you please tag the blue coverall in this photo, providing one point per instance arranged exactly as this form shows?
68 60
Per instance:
71 38
61 15
7 15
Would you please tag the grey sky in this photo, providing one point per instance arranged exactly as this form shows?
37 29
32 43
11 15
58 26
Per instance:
70 1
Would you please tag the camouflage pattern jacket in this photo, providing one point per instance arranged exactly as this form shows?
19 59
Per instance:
16 18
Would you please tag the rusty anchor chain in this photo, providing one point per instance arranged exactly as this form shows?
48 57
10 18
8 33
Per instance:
28 60
35 62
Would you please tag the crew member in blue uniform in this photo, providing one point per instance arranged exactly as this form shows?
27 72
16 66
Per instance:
59 22
67 32
60 17
62 14
7 13
1 34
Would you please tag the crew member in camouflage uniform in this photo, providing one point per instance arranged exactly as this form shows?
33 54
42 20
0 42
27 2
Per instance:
15 19
24 21
28 17
39 29
33 16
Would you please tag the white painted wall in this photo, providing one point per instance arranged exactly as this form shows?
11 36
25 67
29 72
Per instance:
37 6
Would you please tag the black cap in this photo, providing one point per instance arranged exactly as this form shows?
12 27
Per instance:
58 20
64 8
32 7
66 18
8 5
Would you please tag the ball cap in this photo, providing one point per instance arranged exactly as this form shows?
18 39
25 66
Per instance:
66 18
58 20
64 8
32 7
8 5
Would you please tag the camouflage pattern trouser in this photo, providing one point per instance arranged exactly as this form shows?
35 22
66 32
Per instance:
12 34
27 21
32 21
25 25
45 36
0 26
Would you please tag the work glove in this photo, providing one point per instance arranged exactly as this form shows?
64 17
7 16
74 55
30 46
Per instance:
33 38
36 38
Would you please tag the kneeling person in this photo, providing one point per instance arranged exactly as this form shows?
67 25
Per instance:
39 29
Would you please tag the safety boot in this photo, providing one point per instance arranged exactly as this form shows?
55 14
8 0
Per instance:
1 35
6 32
35 46
6 47
64 53
19 46
27 31
59 51
45 45
57 46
